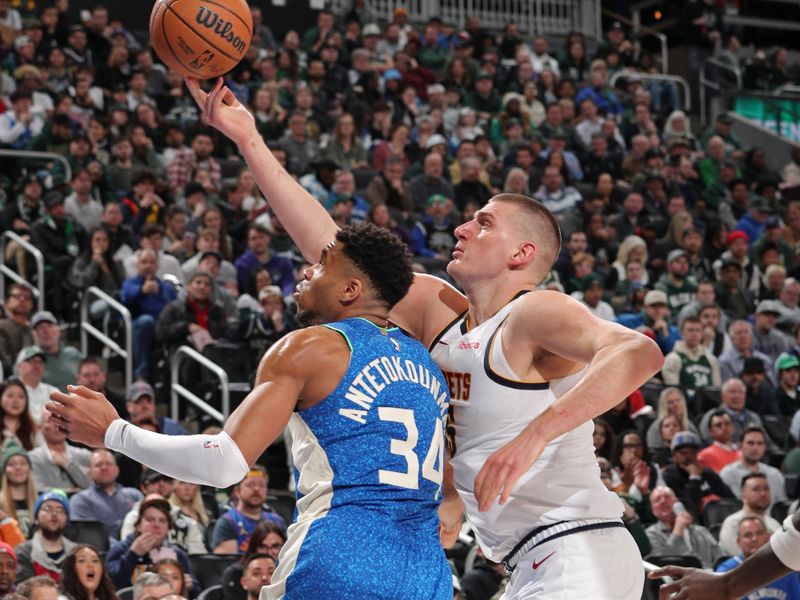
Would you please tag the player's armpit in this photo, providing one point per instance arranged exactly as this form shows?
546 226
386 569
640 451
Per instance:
307 363
429 306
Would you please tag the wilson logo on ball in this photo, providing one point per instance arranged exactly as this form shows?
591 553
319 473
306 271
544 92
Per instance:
224 29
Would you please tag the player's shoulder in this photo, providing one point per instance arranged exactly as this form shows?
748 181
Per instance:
429 306
544 302
317 343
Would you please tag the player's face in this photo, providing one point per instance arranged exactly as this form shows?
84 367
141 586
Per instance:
317 294
485 244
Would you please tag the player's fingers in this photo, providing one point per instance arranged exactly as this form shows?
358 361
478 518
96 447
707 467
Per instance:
211 101
229 98
491 488
508 485
668 571
62 399
84 392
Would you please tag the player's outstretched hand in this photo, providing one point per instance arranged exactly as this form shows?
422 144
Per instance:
222 110
82 414
691 584
503 468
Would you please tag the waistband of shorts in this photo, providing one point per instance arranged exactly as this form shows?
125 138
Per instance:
551 532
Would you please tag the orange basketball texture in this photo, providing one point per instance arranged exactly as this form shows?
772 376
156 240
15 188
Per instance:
201 38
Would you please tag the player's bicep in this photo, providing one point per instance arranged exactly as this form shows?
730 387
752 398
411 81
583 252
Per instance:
430 304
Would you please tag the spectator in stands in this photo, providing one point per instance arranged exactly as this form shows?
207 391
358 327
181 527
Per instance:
344 147
429 182
233 529
172 570
258 255
45 552
84 575
141 404
691 365
388 187
188 161
767 339
653 321
17 491
120 236
756 500
733 393
61 360
470 188
631 460
8 567
671 402
96 266
319 182
693 484
105 500
18 216
184 318
753 448
262 329
676 533
57 464
258 572
92 374
208 241
761 396
560 198
60 240
18 424
300 149
40 587
128 558
788 368
30 369
592 297
146 296
603 438
20 125
789 297
679 286
184 532
151 237
81 205
187 498
714 337
731 363
267 539
752 534
722 451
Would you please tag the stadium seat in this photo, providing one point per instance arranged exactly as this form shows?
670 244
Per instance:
643 423
715 512
208 568
651 390
792 486
705 399
780 510
93 533
679 560
777 427
125 593
213 593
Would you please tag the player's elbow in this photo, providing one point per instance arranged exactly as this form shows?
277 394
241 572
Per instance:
648 354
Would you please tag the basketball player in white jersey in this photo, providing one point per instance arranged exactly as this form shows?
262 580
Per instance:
528 370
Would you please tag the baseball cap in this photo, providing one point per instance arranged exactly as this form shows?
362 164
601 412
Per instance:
391 74
269 291
29 353
435 140
54 495
43 316
52 198
435 88
149 475
216 255
737 235
655 297
768 306
731 262
558 133
6 548
759 203
13 449
675 255
684 438
616 25
590 281
725 118
484 75
436 199
773 222
139 389
371 29
787 361
22 41
753 365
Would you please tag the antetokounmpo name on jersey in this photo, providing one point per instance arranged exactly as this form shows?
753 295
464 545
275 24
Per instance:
383 372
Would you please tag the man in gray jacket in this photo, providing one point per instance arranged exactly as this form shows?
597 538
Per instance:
57 464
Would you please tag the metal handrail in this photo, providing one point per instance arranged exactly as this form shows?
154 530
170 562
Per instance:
787 89
642 30
687 96
43 155
179 390
87 328
6 271
710 83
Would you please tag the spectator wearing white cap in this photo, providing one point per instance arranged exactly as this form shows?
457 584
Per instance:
767 339
679 286
30 368
61 361
653 321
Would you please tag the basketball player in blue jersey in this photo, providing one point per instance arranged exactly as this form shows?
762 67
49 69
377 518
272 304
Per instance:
527 369
365 404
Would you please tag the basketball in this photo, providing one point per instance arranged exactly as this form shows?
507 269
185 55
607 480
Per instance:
201 38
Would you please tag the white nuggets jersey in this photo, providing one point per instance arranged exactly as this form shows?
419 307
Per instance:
489 407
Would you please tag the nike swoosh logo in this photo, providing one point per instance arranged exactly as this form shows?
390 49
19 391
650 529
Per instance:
536 565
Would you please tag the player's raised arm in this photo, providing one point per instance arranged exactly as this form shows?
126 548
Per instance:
306 220
219 460
619 361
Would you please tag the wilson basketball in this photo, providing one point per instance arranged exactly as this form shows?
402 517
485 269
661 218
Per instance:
201 38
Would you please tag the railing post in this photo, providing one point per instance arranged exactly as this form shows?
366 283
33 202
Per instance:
6 271
186 352
87 328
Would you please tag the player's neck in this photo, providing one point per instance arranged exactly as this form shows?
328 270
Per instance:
486 299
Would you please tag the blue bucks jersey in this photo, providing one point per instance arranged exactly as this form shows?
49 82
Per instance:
370 462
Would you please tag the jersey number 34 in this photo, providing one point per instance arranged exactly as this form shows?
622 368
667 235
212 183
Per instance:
432 465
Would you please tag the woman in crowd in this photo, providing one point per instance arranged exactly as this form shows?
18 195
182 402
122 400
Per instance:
177 241
395 146
378 214
172 571
96 266
344 147
632 247
603 438
267 538
186 496
247 301
633 466
17 490
213 218
671 402
268 112
146 545
18 424
84 576
516 182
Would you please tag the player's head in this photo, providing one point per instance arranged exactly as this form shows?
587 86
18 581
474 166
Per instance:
365 269
511 233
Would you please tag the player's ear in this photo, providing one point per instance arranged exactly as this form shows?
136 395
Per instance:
353 288
523 256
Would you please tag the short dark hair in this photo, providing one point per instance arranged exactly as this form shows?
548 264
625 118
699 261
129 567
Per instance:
717 413
253 557
694 320
143 176
91 360
750 476
754 429
381 256
151 229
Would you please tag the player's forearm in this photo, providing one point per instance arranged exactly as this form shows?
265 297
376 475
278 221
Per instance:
614 373
306 220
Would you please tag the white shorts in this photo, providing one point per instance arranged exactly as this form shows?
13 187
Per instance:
602 564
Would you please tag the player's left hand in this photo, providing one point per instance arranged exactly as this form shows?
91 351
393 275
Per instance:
82 414
503 468
691 584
